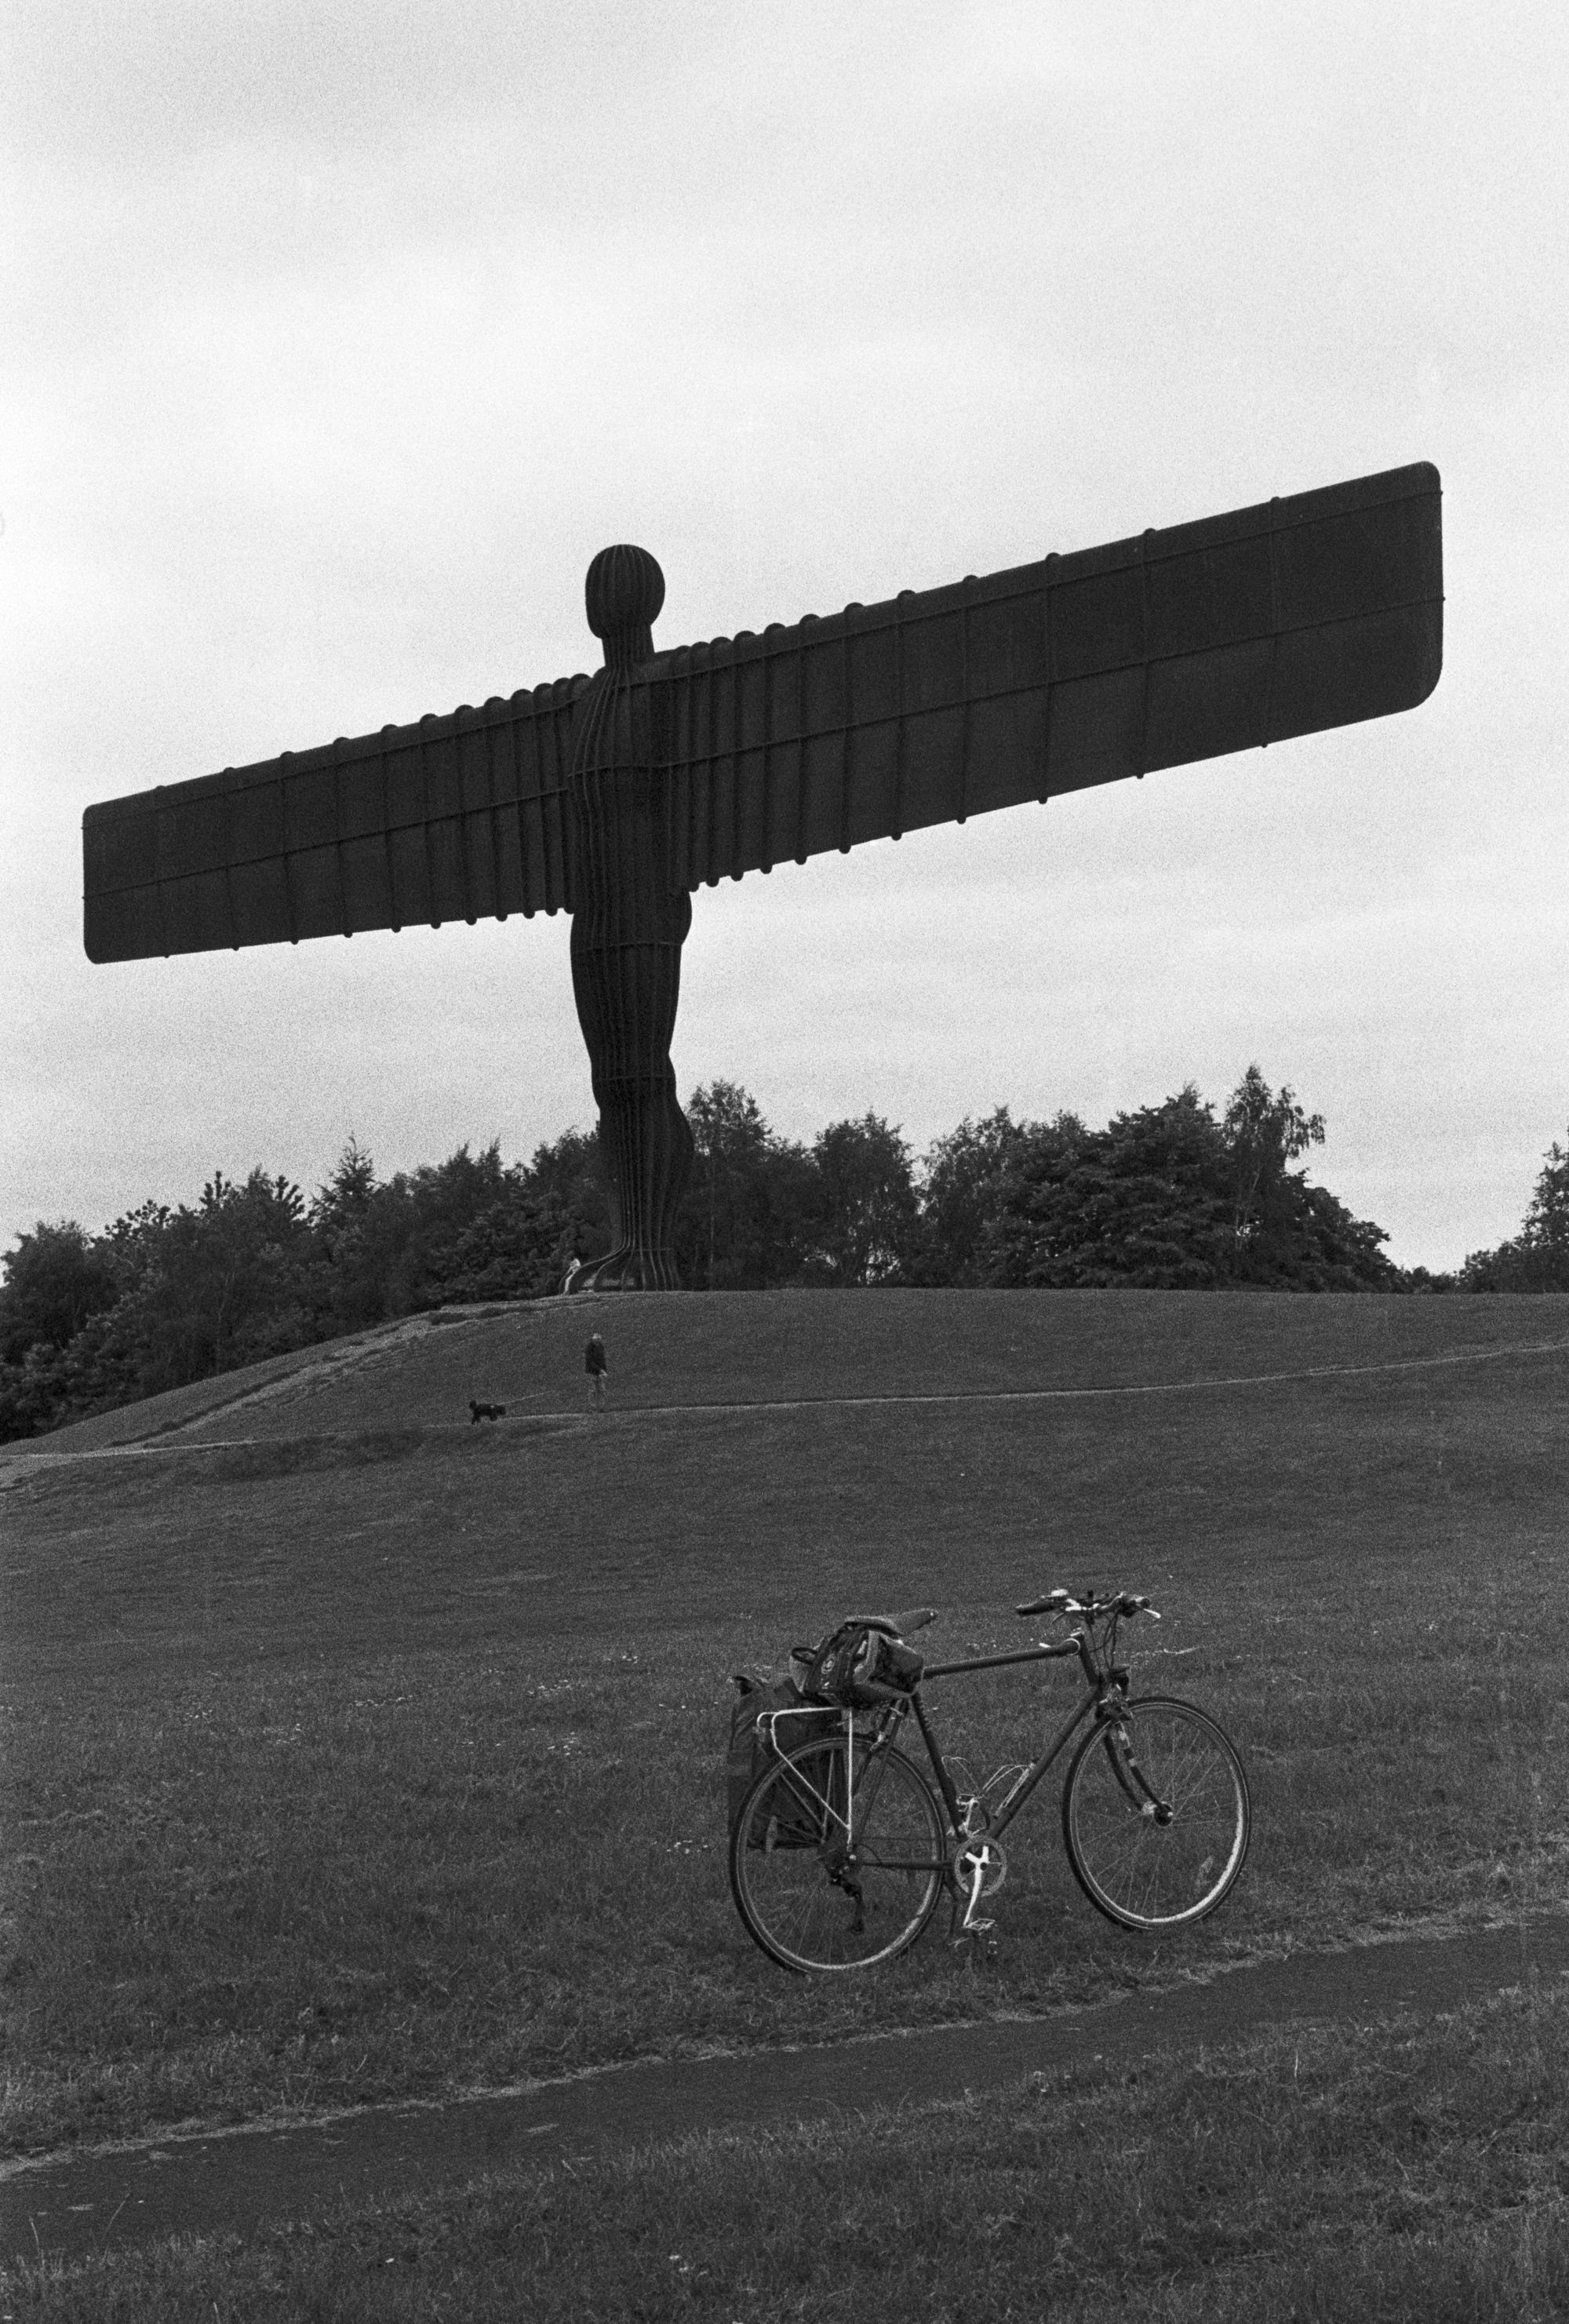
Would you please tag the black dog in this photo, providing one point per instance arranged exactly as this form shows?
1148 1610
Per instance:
478 1412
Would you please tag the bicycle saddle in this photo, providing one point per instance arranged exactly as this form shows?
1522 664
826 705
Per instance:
898 1626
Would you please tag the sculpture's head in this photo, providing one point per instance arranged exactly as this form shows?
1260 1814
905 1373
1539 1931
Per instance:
624 593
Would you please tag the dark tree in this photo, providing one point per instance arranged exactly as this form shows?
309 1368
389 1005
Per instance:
349 1224
965 1179
58 1286
746 1215
1538 1257
1144 1202
1169 1198
56 1277
1546 1226
570 1174
465 1230
864 1224
722 1236
224 1283
1264 1132
517 1246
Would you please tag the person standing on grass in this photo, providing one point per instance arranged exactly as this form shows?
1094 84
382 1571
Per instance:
598 1370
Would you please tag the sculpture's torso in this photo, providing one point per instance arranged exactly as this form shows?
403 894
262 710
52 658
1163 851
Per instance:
627 932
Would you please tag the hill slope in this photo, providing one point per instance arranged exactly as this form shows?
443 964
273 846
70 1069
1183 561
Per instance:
343 1498
355 1750
694 1347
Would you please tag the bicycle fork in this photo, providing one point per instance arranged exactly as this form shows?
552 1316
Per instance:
1124 1760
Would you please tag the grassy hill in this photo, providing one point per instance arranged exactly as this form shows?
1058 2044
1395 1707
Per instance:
747 1347
356 1751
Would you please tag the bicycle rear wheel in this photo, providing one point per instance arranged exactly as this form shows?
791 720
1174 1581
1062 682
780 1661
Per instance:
1156 1815
814 1896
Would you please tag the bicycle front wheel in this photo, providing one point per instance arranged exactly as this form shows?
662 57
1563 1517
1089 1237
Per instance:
1156 1815
821 1889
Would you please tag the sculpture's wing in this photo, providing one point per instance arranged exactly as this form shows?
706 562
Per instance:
1220 636
1207 638
455 818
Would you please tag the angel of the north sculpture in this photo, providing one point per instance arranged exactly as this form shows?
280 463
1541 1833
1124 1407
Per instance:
612 797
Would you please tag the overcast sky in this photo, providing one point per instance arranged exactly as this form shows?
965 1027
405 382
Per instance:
336 340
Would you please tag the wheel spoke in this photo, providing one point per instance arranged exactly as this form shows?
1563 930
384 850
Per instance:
800 1900
1138 1869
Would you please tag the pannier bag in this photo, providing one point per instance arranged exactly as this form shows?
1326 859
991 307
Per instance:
807 1720
856 1667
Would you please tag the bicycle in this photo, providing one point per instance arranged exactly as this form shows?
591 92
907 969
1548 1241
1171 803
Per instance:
843 1845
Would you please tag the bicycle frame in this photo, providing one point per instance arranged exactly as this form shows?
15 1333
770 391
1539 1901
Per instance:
1096 1681
883 1724
892 1836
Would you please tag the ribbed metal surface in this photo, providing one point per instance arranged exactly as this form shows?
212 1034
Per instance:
455 818
1177 645
630 918
612 798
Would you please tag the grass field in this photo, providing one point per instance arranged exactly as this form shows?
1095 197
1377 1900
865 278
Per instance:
380 1755
1349 2176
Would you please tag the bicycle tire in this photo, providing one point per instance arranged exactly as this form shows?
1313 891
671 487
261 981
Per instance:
1139 1871
805 1912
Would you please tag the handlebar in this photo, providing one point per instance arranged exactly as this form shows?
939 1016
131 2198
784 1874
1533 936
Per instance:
1090 1607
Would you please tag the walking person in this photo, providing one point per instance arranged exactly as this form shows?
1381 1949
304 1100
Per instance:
595 1365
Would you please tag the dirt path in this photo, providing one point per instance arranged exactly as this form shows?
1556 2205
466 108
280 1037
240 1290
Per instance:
239 2180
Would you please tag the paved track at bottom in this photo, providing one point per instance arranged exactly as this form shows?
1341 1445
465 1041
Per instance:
237 2182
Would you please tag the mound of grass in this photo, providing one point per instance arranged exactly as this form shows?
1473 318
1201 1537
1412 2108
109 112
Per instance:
377 1761
1352 2175
738 1348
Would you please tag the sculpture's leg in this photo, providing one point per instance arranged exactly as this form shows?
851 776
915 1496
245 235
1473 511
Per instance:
626 995
626 987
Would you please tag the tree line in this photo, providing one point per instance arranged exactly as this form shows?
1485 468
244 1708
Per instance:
1181 1195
